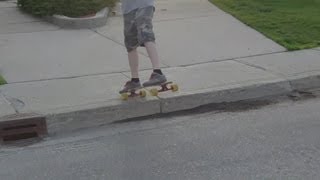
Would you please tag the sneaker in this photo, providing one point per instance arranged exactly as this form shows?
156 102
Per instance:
155 79
130 86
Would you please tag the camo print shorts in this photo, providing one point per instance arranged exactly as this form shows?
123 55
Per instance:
138 28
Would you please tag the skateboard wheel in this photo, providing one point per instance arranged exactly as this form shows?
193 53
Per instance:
174 87
143 93
124 96
154 92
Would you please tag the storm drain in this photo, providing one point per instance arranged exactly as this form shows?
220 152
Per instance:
22 126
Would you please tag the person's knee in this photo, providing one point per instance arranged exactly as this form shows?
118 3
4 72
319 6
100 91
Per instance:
131 49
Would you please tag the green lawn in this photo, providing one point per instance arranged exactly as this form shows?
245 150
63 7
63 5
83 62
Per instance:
2 81
294 24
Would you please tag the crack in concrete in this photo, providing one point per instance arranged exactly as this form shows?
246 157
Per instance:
251 65
16 104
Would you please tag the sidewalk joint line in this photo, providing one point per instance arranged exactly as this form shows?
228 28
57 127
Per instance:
10 33
121 44
125 75
143 69
72 77
8 7
26 22
183 18
230 59
115 41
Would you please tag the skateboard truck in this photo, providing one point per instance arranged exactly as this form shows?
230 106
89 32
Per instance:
168 86
133 93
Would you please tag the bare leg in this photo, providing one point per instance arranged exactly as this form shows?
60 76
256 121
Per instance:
156 77
153 54
134 67
134 63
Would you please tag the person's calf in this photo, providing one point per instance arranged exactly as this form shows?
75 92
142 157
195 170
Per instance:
153 54
134 63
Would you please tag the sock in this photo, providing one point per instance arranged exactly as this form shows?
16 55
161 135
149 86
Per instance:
157 71
136 80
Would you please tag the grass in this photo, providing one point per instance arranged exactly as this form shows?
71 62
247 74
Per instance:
295 24
2 81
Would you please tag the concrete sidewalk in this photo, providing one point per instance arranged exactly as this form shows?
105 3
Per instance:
73 76
93 100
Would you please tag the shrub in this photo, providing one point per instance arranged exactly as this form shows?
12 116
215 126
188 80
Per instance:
70 8
2 81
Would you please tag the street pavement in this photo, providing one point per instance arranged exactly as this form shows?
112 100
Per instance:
273 139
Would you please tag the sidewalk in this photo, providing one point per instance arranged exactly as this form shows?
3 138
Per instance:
73 76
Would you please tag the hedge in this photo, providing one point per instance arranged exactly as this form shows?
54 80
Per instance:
70 8
2 81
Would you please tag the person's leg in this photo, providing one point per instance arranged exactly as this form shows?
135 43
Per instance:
153 54
133 58
134 83
146 38
146 35
131 43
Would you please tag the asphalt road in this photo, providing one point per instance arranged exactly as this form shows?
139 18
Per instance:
275 141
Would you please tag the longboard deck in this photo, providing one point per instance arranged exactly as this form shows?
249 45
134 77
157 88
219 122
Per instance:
153 90
167 86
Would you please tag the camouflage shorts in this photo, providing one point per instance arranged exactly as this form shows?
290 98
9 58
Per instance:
138 28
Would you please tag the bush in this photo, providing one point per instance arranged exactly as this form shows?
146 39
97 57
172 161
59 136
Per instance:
70 8
2 81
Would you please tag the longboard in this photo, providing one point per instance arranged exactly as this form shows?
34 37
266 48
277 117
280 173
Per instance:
167 86
153 90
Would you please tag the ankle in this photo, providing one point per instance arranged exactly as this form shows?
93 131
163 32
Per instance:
158 71
136 80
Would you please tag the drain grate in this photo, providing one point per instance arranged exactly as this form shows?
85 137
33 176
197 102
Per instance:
22 126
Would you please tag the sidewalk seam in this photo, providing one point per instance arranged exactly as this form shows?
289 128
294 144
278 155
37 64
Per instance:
126 71
115 41
183 18
73 77
232 59
8 7
30 32
25 22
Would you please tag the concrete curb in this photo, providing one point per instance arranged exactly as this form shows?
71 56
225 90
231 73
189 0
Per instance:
306 81
232 93
93 115
98 114
100 19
